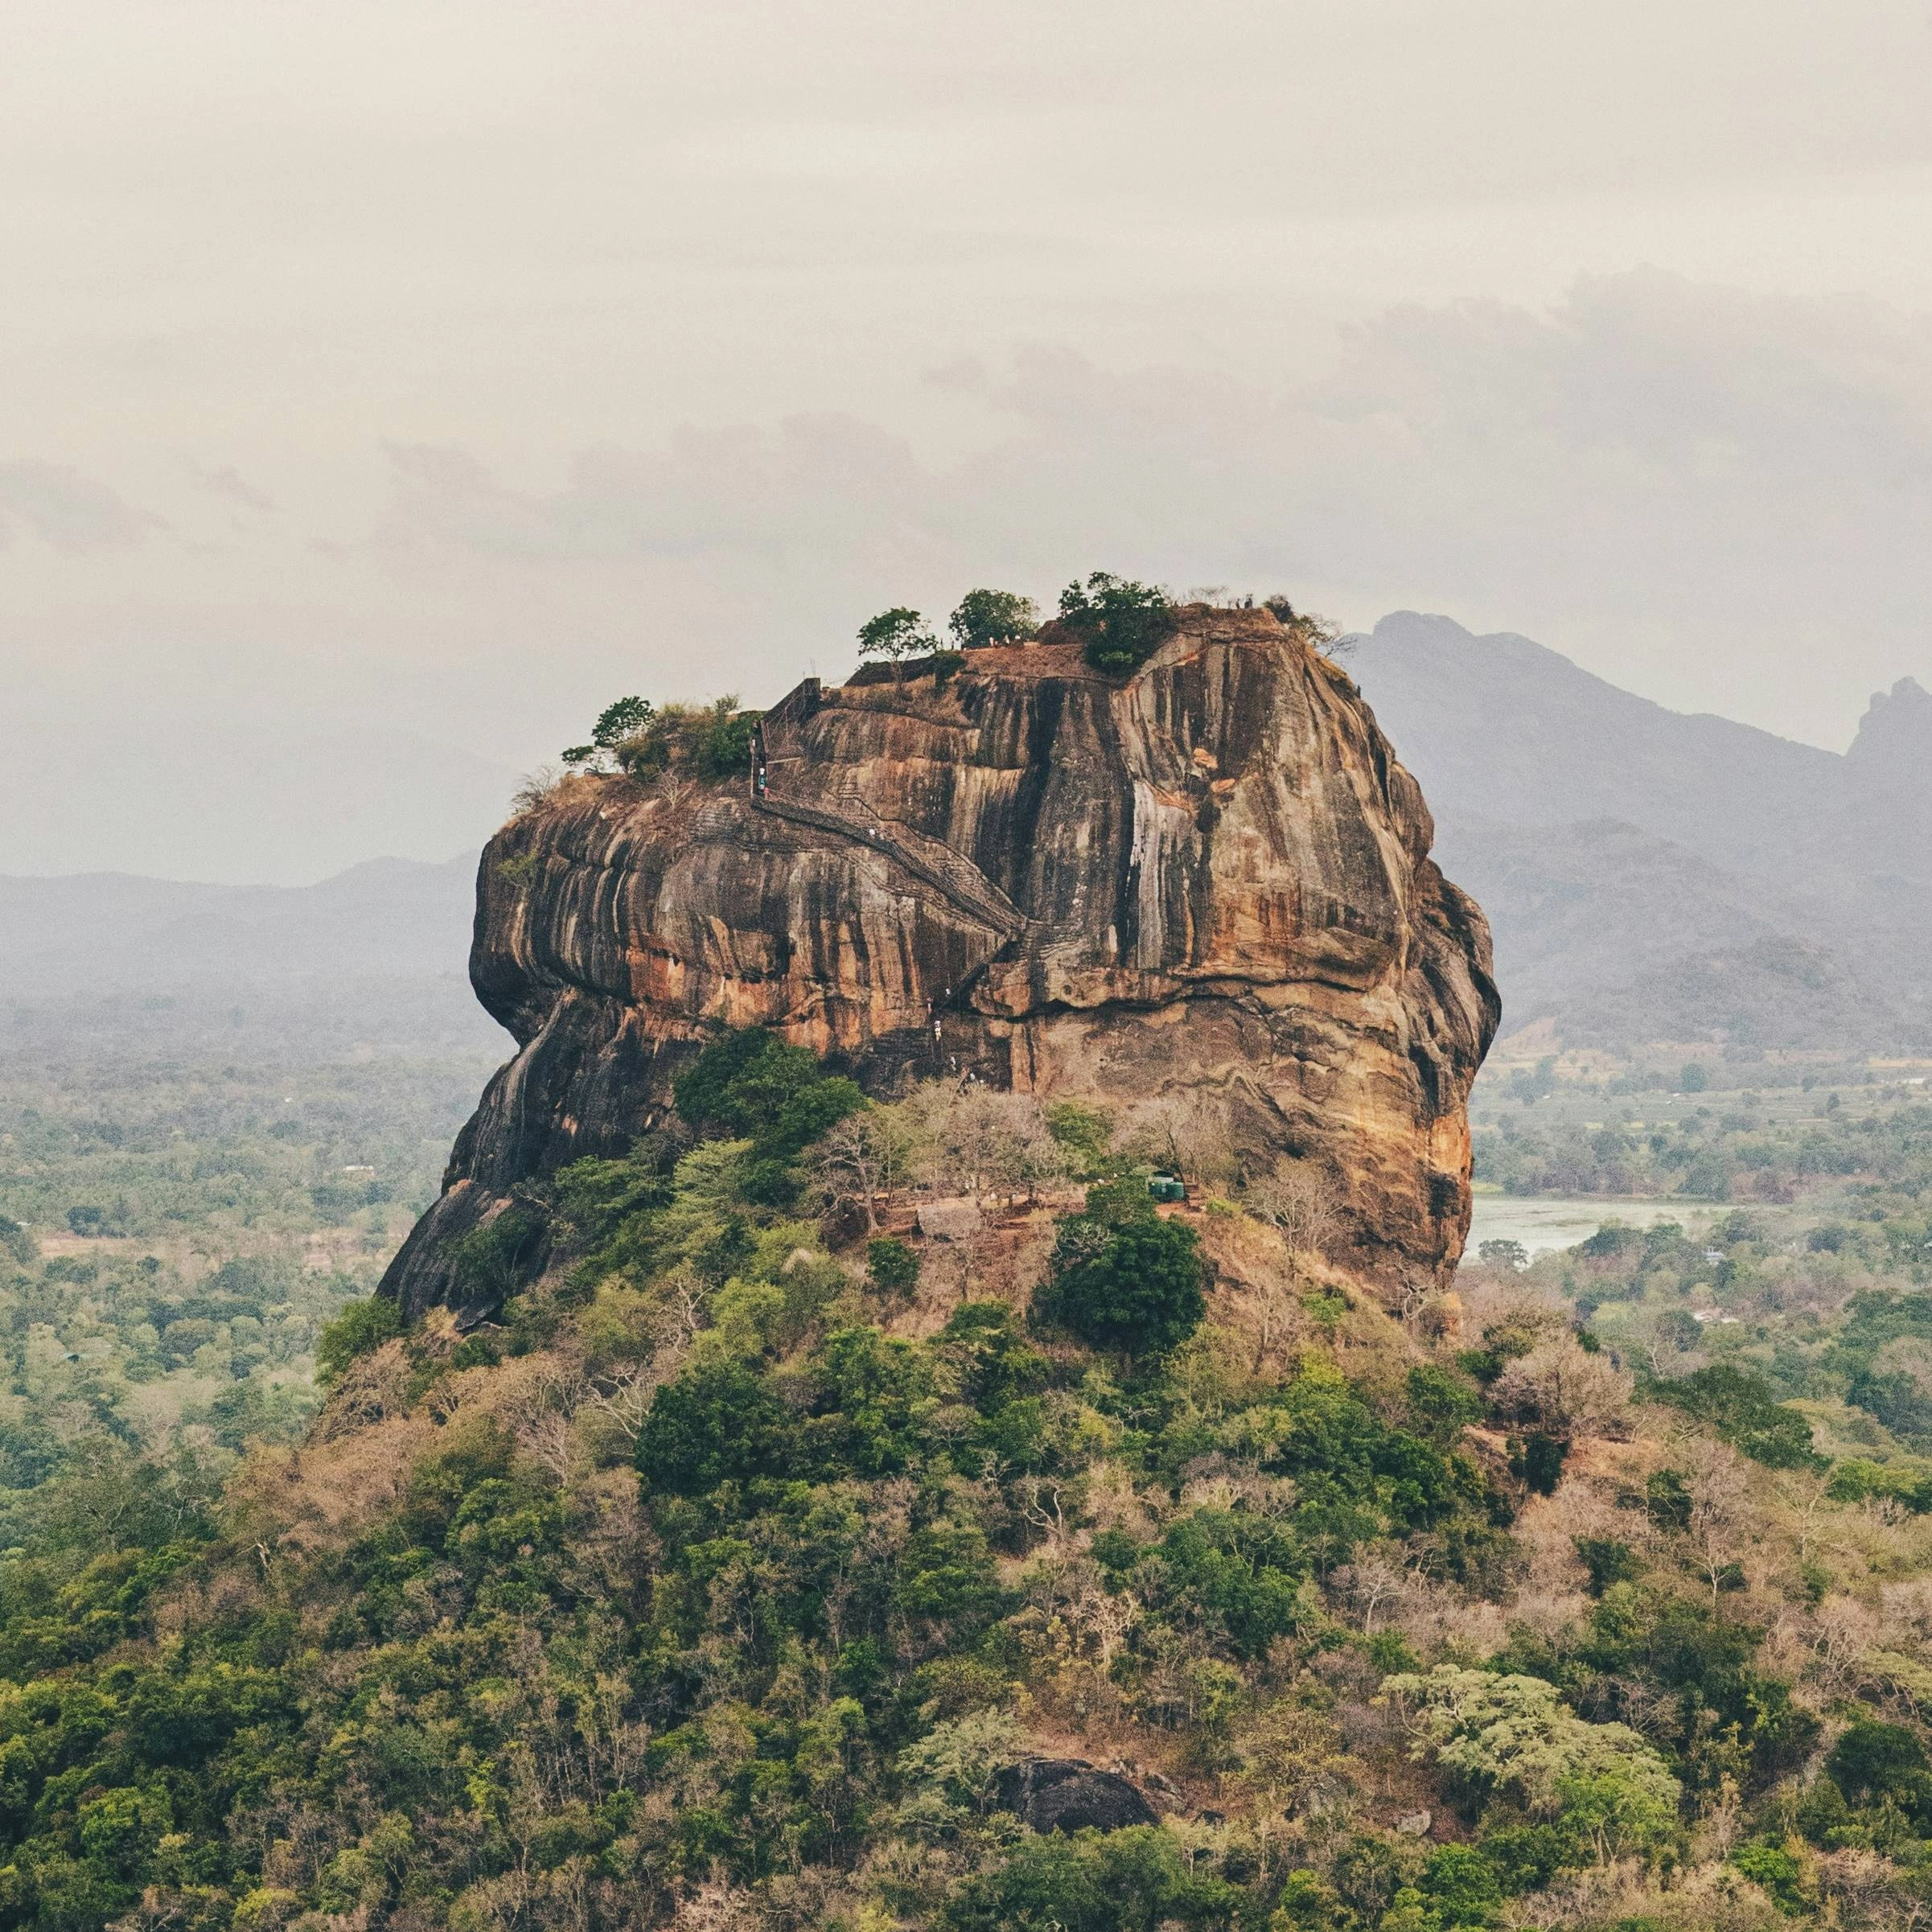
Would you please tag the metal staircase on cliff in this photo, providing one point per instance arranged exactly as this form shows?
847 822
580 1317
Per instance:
955 878
849 815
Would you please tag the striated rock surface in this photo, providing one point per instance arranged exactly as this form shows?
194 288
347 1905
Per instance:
1210 881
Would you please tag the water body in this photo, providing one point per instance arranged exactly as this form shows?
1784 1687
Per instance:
1543 1222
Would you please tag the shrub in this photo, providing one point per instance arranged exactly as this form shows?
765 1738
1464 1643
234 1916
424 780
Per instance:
720 746
992 617
359 1330
1821 1810
891 1265
1120 623
1124 1279
707 741
645 741
534 791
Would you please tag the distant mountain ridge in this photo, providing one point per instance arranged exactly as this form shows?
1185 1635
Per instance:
386 917
1894 743
1651 874
108 963
286 805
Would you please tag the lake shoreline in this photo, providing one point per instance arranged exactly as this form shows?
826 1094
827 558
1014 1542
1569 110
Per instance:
1546 1223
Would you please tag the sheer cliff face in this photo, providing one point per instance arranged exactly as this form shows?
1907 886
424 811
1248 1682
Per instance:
1210 881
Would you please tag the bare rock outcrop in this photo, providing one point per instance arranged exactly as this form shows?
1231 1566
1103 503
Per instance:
1208 881
1069 1795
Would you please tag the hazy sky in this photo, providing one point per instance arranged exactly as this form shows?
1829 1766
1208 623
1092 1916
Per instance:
387 386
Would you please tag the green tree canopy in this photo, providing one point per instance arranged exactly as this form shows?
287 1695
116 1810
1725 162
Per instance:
1514 1736
615 723
1120 623
992 617
1874 1761
1122 1278
643 740
1744 1409
896 635
359 1330
751 1085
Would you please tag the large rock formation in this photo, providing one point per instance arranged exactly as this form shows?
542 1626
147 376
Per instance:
1209 880
1068 1795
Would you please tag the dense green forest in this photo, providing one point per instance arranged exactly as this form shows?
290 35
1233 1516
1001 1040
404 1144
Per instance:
723 1582
1749 1132
173 1236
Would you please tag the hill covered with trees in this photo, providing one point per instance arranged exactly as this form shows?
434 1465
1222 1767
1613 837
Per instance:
728 1579
789 1481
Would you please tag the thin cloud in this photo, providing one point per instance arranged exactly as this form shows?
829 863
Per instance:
1649 441
226 482
66 509
732 488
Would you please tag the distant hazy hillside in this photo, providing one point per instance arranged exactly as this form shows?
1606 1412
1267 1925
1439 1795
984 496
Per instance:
285 807
1651 875
388 917
376 956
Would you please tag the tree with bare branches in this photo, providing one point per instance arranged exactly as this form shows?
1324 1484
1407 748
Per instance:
1299 1201
1565 1389
861 1160
1719 1494
976 1141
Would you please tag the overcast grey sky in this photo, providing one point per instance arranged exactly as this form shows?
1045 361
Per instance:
387 386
